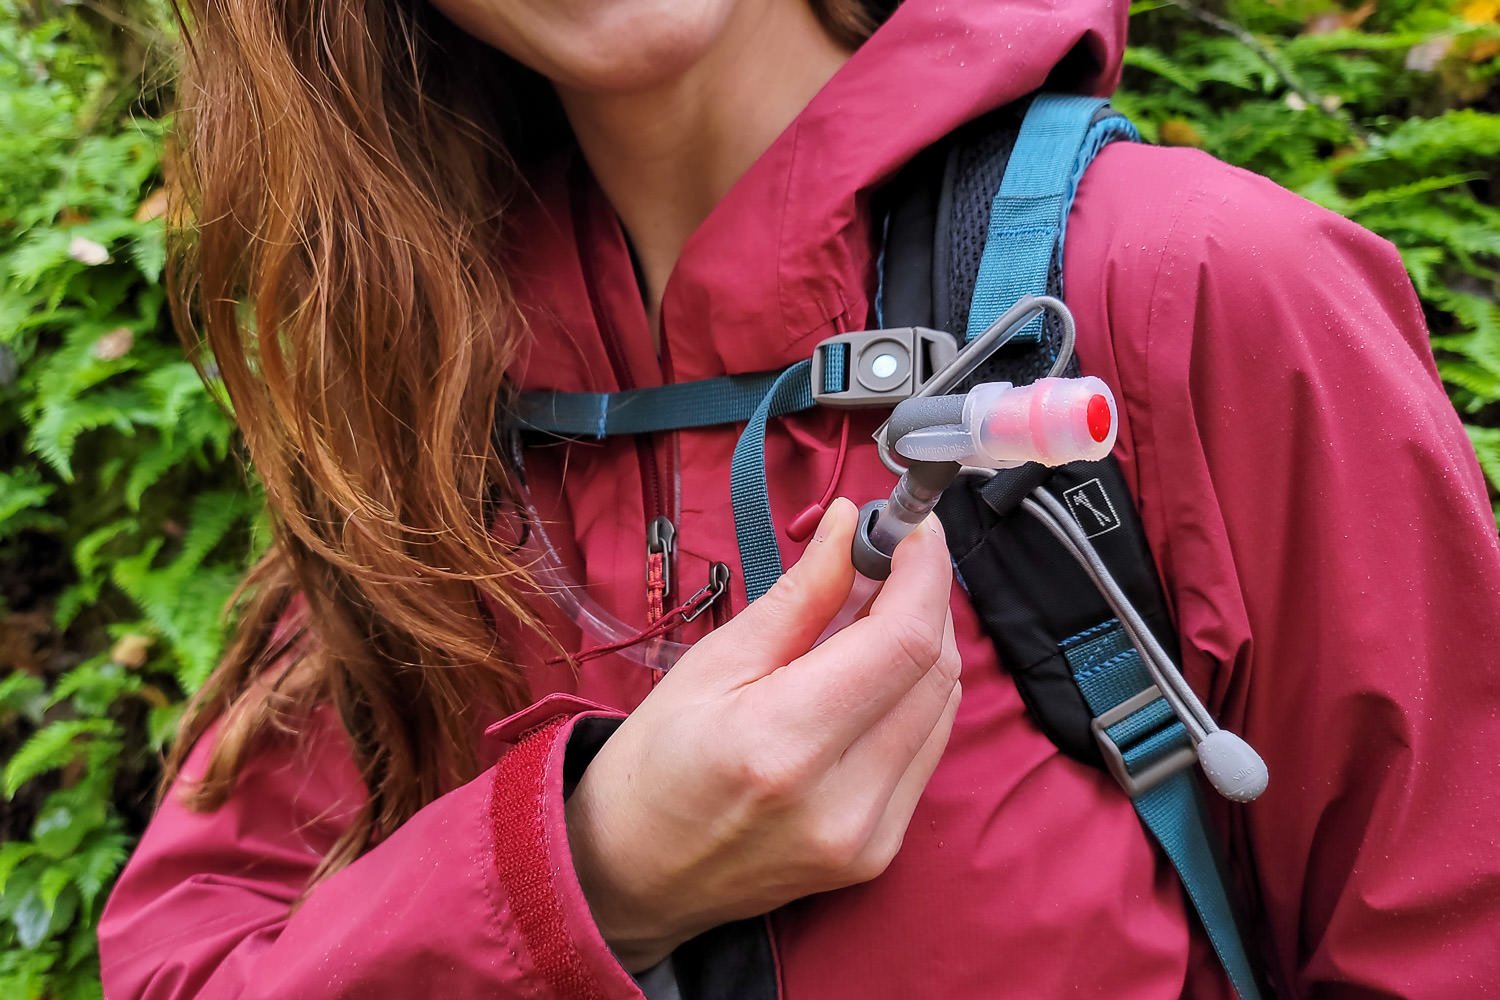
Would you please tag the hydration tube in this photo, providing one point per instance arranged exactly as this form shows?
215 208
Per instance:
600 628
598 625
1053 421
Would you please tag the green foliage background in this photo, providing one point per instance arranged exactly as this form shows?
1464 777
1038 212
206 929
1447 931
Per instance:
125 519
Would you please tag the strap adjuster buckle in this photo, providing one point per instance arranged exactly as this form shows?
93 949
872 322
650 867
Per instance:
867 368
1152 774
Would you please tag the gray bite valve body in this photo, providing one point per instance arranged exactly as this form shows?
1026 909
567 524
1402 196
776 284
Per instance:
995 425
884 523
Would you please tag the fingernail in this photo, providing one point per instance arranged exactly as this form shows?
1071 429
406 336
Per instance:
826 523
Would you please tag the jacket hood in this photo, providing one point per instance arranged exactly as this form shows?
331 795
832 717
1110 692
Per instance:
787 253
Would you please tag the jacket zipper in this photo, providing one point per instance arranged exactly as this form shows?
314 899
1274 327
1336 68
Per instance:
661 548
654 496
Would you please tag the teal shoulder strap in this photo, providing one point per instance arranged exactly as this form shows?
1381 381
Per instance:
1059 138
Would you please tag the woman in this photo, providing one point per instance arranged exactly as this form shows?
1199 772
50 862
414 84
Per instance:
396 221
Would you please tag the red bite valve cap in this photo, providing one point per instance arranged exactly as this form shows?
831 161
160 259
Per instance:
1099 417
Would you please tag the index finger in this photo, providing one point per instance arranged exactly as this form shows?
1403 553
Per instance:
844 686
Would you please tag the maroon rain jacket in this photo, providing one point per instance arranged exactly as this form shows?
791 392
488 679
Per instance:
1311 501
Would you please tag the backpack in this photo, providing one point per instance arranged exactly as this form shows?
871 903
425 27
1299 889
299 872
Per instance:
973 225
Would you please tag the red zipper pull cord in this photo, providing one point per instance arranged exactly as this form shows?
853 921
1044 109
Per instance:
656 585
687 611
803 525
661 543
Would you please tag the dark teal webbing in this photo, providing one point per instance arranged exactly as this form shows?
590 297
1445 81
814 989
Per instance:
1109 672
1059 136
760 558
706 403
710 402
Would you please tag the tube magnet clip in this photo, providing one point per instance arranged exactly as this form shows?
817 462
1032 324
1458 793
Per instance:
878 367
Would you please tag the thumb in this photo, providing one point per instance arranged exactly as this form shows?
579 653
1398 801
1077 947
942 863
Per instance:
785 623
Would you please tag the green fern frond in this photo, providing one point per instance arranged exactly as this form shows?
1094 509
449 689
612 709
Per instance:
1422 264
148 251
1486 441
1151 60
95 685
99 862
165 454
1406 192
1482 383
77 365
51 747
86 552
12 855
174 386
213 516
57 429
38 256
23 498
1462 135
24 694
74 599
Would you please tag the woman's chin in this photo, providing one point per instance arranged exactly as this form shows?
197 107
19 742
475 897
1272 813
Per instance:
601 46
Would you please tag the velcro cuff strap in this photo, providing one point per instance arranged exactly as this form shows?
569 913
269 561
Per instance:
534 867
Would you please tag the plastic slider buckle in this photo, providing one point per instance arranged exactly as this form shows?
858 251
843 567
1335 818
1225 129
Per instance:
880 367
1152 774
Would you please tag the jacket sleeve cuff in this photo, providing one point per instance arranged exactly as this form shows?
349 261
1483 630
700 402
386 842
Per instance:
553 741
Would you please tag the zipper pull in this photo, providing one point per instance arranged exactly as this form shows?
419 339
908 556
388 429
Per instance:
661 545
710 592
704 598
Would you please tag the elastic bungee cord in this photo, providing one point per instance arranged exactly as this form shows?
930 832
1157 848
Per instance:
1231 765
938 433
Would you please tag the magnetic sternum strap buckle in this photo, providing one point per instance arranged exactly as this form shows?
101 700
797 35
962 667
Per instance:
1174 755
878 367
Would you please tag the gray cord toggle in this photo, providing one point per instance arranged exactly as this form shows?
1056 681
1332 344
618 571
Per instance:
1232 766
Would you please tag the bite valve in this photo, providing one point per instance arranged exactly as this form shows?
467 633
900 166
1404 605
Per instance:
995 425
1052 421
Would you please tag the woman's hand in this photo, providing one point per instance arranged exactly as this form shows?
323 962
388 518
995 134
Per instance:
761 769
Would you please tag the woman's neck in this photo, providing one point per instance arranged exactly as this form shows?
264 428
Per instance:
666 154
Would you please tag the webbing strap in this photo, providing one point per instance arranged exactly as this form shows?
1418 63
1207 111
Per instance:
752 399
709 402
1109 672
1029 214
706 403
760 559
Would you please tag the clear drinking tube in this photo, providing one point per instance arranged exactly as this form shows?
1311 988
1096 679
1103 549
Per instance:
910 502
598 625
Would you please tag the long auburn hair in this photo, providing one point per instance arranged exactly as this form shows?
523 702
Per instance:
344 167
